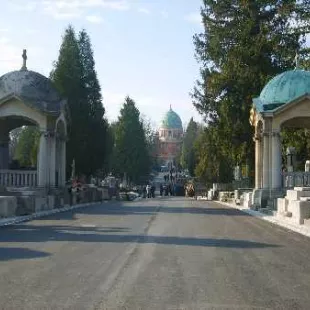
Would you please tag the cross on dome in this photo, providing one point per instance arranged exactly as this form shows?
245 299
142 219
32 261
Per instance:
24 55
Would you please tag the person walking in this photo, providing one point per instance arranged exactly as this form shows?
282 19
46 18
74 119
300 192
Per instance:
153 191
148 191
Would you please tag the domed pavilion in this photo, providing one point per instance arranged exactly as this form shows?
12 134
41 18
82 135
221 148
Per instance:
170 138
284 102
28 98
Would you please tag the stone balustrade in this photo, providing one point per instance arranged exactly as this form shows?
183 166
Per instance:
18 178
294 179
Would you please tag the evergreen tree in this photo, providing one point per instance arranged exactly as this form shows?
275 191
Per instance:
75 77
98 126
89 76
131 156
152 142
67 77
244 44
188 156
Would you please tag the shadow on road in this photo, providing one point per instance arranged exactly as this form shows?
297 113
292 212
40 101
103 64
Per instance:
149 210
35 233
20 253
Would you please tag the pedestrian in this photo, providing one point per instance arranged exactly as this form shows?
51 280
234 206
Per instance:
148 191
153 191
161 189
166 190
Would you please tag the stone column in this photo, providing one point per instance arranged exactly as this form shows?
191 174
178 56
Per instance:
266 181
42 164
46 159
52 158
276 168
258 159
63 163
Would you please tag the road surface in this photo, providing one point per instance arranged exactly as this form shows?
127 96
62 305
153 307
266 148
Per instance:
170 253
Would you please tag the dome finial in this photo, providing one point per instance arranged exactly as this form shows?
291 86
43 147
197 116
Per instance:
296 59
24 55
170 108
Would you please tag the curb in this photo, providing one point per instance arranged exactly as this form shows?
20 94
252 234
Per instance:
137 199
305 231
25 218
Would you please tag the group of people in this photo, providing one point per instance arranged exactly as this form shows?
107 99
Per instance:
166 190
149 191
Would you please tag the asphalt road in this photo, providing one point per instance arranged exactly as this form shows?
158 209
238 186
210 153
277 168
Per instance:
171 253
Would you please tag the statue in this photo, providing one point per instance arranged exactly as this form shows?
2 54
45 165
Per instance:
296 59
252 116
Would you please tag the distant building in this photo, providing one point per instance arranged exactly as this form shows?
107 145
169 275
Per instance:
170 138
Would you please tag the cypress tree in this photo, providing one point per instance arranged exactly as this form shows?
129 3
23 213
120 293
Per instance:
188 156
96 143
131 156
67 77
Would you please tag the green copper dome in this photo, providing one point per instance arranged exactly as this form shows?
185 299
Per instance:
284 88
171 120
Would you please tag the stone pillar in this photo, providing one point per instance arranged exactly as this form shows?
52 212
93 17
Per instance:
258 159
47 159
266 181
63 163
42 165
52 158
276 166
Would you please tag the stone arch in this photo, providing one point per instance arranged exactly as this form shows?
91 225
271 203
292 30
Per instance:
7 124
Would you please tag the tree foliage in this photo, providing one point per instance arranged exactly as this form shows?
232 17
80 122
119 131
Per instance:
27 146
130 155
75 77
244 44
97 147
188 158
300 139
151 141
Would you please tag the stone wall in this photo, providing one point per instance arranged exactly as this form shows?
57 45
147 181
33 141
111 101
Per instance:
14 203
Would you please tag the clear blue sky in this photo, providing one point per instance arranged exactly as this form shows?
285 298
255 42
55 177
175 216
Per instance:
143 48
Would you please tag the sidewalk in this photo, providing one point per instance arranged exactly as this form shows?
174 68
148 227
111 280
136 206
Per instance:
301 229
25 218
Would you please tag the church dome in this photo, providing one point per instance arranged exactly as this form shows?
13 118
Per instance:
171 120
34 89
286 87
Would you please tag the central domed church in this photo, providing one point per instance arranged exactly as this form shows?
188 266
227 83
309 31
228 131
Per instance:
170 136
